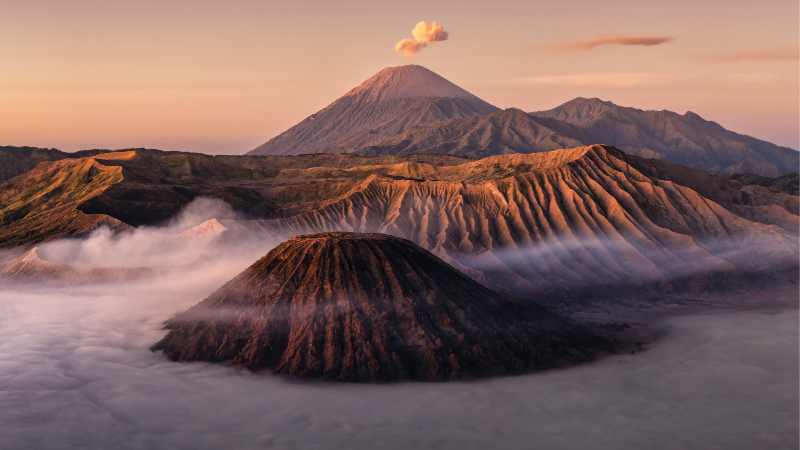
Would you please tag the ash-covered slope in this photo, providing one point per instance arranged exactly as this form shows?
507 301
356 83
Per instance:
508 131
355 307
394 100
686 139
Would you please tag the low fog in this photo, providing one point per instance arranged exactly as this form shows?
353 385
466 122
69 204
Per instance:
190 244
76 372
584 262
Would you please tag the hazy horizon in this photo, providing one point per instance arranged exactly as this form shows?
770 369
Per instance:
214 78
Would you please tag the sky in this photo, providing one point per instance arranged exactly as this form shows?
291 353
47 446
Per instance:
224 77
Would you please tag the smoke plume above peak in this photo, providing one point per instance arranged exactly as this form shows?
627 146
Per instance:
423 33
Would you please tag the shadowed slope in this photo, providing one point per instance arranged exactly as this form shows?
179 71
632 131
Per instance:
354 307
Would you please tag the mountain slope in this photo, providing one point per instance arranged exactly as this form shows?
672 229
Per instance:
680 139
356 307
42 204
686 139
508 131
570 218
394 100
559 219
148 187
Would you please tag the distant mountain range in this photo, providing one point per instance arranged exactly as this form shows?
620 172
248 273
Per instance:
409 109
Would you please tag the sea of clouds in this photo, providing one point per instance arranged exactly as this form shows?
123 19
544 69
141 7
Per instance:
76 372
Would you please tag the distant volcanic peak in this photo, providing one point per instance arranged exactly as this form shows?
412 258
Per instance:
410 81
29 263
32 266
368 307
211 228
391 102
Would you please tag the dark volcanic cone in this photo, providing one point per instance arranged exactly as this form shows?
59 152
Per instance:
369 307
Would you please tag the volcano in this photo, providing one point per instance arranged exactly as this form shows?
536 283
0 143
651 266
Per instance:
370 307
392 101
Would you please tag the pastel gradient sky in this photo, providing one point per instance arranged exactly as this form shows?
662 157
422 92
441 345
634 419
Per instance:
223 77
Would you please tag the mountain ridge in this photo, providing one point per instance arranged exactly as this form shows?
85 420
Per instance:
410 109
578 216
686 139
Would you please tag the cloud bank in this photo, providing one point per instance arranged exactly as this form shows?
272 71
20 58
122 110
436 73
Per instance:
76 372
423 33
606 40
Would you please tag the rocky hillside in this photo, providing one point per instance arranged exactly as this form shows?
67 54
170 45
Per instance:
355 307
394 100
571 218
43 203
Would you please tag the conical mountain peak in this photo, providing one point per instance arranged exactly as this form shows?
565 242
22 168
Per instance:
390 102
369 307
410 81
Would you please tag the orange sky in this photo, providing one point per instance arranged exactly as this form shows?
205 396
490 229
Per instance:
223 77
